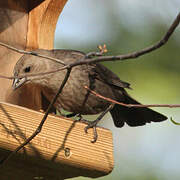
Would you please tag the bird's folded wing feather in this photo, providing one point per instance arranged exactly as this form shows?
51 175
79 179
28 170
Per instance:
100 72
107 76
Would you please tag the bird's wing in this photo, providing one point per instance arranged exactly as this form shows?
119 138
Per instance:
99 71
108 77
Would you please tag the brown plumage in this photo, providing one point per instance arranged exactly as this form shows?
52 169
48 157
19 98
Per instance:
74 97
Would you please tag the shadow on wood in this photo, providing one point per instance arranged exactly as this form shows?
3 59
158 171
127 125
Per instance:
62 149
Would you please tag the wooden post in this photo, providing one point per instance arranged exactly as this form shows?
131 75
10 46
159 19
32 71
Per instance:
62 150
26 25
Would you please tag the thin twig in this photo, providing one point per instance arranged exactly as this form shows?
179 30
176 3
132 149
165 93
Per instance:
132 105
39 128
7 77
31 53
102 50
136 53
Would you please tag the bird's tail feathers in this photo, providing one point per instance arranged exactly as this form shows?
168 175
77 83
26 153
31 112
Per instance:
134 116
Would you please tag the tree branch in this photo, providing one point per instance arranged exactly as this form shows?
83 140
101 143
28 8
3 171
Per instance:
136 53
132 105
31 53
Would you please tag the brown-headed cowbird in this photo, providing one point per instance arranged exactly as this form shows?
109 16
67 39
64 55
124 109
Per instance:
74 97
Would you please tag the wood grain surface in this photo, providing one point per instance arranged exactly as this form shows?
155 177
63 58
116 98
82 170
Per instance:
62 144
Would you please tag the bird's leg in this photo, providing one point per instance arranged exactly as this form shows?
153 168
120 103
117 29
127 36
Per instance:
78 117
71 115
81 119
84 120
93 124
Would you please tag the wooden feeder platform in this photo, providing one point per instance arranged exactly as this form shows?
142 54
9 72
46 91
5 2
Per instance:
62 150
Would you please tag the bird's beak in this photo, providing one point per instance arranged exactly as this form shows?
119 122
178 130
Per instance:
18 82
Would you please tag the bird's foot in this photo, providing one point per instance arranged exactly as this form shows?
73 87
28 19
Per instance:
84 120
92 124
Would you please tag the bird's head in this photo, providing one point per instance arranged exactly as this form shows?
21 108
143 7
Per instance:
26 66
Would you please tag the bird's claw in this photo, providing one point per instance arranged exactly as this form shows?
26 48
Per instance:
92 125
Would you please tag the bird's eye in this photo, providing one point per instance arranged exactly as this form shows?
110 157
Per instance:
27 69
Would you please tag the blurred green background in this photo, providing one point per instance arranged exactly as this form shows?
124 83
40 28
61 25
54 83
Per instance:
151 152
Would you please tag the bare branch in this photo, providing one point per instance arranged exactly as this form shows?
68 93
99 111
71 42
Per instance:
31 53
137 53
102 50
7 77
132 105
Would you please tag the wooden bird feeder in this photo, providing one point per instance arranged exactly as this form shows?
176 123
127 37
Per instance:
62 150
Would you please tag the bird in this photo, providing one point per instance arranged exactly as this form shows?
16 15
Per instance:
75 97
